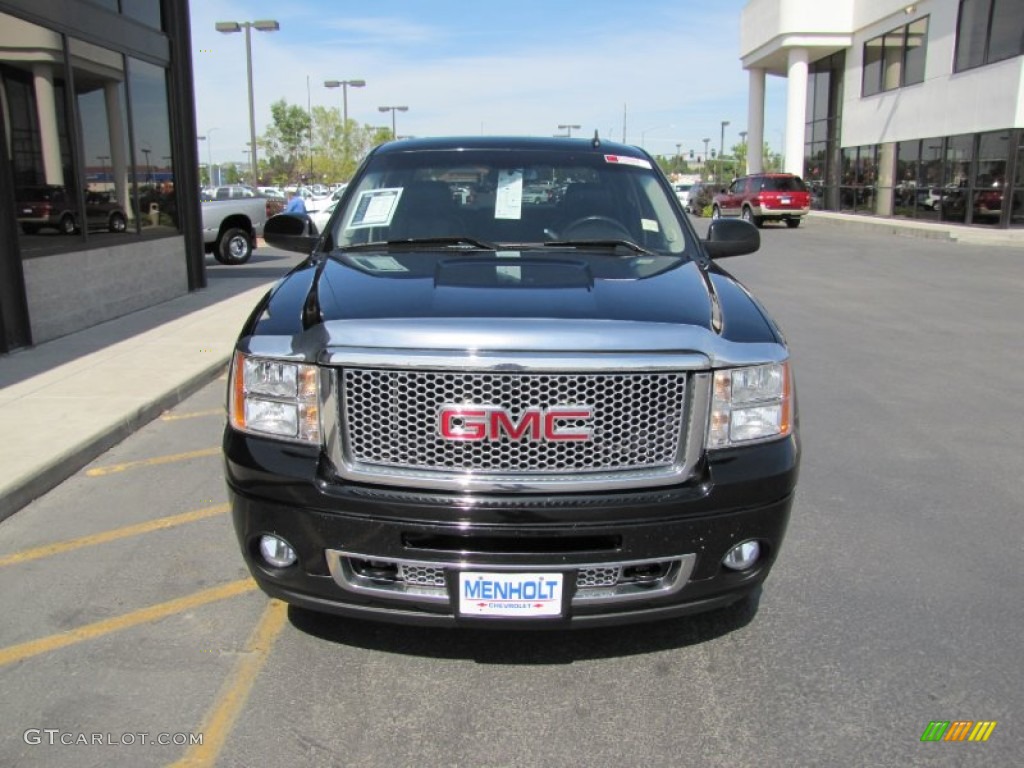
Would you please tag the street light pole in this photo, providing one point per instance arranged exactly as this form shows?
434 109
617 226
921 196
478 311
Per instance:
392 110
344 84
209 153
746 153
721 150
264 25
705 164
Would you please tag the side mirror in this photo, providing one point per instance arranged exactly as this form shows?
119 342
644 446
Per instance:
291 232
731 237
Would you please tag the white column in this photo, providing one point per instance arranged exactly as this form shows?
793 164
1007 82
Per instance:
755 121
118 155
796 106
46 110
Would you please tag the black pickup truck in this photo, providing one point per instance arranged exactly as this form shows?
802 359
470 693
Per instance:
471 406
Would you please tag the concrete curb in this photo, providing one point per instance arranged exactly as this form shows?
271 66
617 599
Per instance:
950 233
48 476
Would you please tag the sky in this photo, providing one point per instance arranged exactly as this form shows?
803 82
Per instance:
667 69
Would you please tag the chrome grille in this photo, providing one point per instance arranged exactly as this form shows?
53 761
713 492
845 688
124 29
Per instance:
598 576
390 419
421 575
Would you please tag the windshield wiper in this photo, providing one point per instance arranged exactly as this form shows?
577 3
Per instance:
634 247
467 243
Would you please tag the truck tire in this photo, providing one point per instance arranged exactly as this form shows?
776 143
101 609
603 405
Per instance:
233 247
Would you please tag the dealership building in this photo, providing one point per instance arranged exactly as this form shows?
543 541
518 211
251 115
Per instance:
99 212
896 109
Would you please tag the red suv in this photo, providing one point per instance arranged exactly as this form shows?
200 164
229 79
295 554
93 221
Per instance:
762 197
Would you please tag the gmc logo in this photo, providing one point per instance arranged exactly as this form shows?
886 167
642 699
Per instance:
487 422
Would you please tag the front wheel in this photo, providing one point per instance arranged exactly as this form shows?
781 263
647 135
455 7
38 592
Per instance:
234 247
792 223
117 222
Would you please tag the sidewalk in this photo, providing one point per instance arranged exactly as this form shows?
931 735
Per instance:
66 401
975 235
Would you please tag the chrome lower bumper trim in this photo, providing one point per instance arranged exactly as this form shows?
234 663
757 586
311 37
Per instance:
676 576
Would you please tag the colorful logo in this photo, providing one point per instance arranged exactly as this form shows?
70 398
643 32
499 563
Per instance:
958 730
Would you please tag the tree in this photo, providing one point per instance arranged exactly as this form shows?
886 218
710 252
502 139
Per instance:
739 156
285 139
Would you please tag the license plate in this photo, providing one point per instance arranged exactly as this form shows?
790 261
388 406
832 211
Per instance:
510 595
786 200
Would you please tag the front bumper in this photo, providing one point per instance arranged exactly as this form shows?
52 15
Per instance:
355 542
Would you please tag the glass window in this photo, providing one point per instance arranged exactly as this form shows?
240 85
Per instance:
892 59
146 11
102 114
872 67
916 48
1007 30
931 163
812 80
993 155
34 85
971 33
896 58
908 154
154 169
821 86
1017 208
959 154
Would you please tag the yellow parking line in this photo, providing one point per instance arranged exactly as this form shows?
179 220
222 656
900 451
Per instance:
192 415
118 533
156 460
221 718
31 648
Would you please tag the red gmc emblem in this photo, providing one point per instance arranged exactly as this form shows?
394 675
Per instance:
488 422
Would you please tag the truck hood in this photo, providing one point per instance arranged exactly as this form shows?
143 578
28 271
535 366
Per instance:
547 286
537 302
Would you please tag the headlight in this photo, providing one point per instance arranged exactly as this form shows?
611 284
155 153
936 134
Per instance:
273 397
751 404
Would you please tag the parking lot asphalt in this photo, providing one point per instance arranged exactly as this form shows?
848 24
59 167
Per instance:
64 402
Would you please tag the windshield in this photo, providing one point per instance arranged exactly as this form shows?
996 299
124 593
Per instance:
511 198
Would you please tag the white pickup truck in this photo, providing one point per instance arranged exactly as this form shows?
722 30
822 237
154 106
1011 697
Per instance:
231 226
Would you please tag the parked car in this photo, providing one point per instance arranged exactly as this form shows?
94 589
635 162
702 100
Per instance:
490 411
322 216
682 190
232 192
231 226
762 197
51 206
702 194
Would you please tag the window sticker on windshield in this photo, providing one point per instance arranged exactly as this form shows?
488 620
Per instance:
639 162
508 202
375 208
649 225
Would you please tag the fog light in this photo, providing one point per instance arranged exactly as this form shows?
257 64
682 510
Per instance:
277 552
742 556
